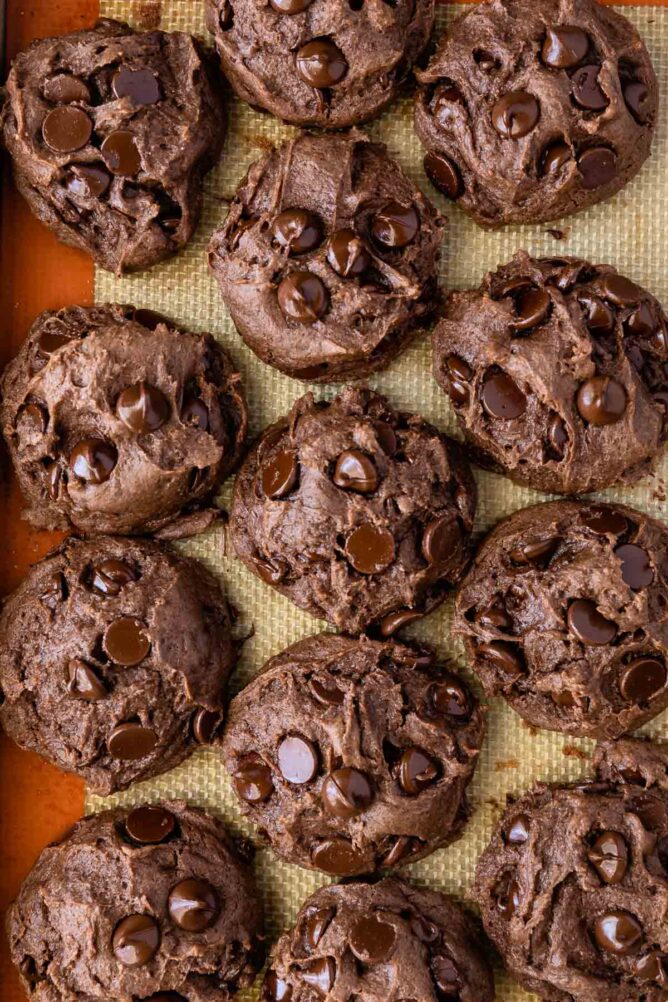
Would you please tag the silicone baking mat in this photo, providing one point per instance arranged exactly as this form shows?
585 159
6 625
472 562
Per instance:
631 232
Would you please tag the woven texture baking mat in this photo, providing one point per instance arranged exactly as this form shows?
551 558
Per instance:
631 232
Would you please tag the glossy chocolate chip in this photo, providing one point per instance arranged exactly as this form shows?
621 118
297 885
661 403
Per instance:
142 408
601 401
444 174
370 549
519 829
458 375
297 759
316 925
93 460
280 475
587 91
372 940
494 616
135 940
609 855
605 521
66 129
88 182
564 46
338 857
449 698
276 988
416 771
346 793
253 781
617 932
297 230
66 89
532 308
320 974
642 679
355 471
54 476
129 742
441 539
515 114
503 657
84 683
126 641
401 848
54 591
271 571
194 411
51 339
205 724
620 290
502 397
446 977
121 153
636 96
140 86
326 692
321 64
597 167
508 897
110 576
347 255
302 297
290 6
654 967
554 159
193 905
599 317
637 569
535 551
149 825
389 625
395 225
587 624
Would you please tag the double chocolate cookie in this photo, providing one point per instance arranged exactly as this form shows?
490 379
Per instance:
328 257
325 63
150 903
558 373
374 942
118 422
359 514
111 133
350 755
532 111
574 885
565 614
114 655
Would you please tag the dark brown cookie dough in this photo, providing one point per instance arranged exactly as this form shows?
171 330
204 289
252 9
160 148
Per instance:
574 886
117 422
111 132
350 755
114 654
146 903
558 373
532 111
565 614
359 514
378 942
328 63
328 257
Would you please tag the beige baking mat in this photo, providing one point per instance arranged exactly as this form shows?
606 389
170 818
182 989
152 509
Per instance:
630 232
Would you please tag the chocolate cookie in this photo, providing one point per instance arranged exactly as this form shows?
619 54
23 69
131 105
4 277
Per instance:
118 422
111 132
374 942
146 903
565 614
328 257
114 655
558 373
574 886
532 111
360 514
327 63
351 755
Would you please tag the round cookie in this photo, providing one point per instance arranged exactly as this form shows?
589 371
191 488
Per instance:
373 942
358 513
328 257
574 887
565 613
558 373
117 422
324 63
114 654
350 755
151 902
111 132
533 111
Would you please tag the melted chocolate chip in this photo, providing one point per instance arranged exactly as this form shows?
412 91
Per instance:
126 641
346 793
193 905
316 925
110 576
597 167
290 6
532 308
355 471
402 847
297 759
605 521
139 86
121 153
302 297
297 230
372 940
504 657
599 317
88 182
620 290
637 570
92 460
636 96
148 825
253 781
66 89
194 411
370 549
66 129
338 857
554 159
320 974
129 742
395 225
518 830
446 977
589 625
54 591
536 551
205 724
416 771
617 932
347 255
441 539
601 401
275 987
515 114
508 897
565 46
51 339
458 375
392 623
495 616
609 855
449 698
135 940
280 475
142 408
321 64
326 692
502 397
654 967
83 682
642 679
444 174
587 91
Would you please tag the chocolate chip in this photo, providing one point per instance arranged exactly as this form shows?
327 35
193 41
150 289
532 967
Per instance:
518 830
272 571
51 339
126 641
536 551
503 657
194 411
135 940
620 290
587 90
597 167
446 977
636 96
599 317
297 230
515 114
601 400
416 771
54 590
93 460
66 89
34 416
605 521
444 174
370 549
402 847
609 856
441 539
643 321
320 974
121 153
110 576
321 63
589 625
347 255
205 724
424 930
395 225
338 857
290 6
502 397
54 480
139 86
555 158
88 182
148 825
302 297
280 475
83 682
275 988
131 741
316 925
297 759
449 698
326 692
565 46
654 967
508 897
532 308
637 570
391 624
458 375
642 679
142 408
355 471
495 616
66 129
193 905
346 793
372 940
617 932
253 781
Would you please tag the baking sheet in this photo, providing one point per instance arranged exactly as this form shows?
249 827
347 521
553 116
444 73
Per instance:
631 232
